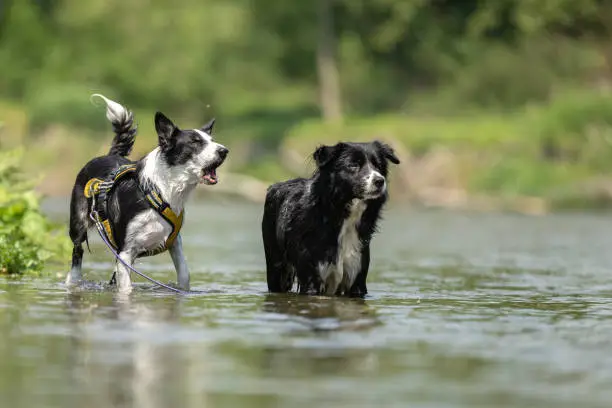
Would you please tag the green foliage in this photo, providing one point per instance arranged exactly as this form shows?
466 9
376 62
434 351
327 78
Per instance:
521 175
67 102
577 126
418 133
506 154
508 77
225 52
479 77
268 169
21 51
27 238
179 58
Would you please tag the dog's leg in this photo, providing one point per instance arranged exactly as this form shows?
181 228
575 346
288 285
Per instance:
359 288
180 265
75 274
280 276
124 283
78 233
309 278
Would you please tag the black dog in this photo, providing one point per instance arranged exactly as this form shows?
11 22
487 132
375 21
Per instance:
319 229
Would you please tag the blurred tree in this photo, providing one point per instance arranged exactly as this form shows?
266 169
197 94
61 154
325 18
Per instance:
362 56
329 84
21 50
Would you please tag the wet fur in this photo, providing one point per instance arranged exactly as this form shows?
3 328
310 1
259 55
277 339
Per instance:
318 230
174 167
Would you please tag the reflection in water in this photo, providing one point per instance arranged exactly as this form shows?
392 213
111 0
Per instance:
495 311
321 313
320 355
138 367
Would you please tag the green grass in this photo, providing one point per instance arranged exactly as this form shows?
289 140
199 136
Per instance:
535 152
267 169
420 134
540 151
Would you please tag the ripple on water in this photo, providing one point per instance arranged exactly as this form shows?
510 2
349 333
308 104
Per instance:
463 310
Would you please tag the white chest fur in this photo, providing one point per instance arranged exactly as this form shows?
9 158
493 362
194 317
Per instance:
146 231
348 262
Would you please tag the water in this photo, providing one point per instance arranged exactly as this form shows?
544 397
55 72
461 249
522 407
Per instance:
464 310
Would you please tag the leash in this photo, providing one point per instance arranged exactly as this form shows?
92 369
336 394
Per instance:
93 215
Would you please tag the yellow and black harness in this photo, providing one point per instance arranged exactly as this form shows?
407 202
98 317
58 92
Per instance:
98 190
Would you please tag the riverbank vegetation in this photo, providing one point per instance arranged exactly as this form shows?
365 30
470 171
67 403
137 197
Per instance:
485 99
27 238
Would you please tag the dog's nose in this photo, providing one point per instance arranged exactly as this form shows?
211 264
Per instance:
379 182
222 152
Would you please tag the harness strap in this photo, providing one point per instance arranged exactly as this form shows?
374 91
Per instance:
100 189
163 208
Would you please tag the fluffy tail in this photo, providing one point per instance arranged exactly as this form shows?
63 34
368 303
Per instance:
123 125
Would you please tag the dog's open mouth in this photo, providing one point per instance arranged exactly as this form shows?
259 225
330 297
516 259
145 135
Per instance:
209 175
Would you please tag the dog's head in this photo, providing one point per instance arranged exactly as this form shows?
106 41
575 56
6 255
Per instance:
360 169
194 151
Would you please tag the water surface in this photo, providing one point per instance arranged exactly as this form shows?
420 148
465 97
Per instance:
464 310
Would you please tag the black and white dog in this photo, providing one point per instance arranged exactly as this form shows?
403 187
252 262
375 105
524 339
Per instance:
319 229
182 160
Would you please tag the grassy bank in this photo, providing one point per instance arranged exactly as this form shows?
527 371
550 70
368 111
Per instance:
560 151
557 152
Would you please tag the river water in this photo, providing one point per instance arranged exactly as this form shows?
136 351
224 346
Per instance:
487 310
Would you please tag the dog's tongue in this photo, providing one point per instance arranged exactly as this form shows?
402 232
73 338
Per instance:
211 176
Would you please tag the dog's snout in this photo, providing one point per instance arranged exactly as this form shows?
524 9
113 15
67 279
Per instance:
379 181
222 151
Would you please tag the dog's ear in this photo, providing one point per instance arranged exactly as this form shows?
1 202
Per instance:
165 129
324 154
387 152
208 128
